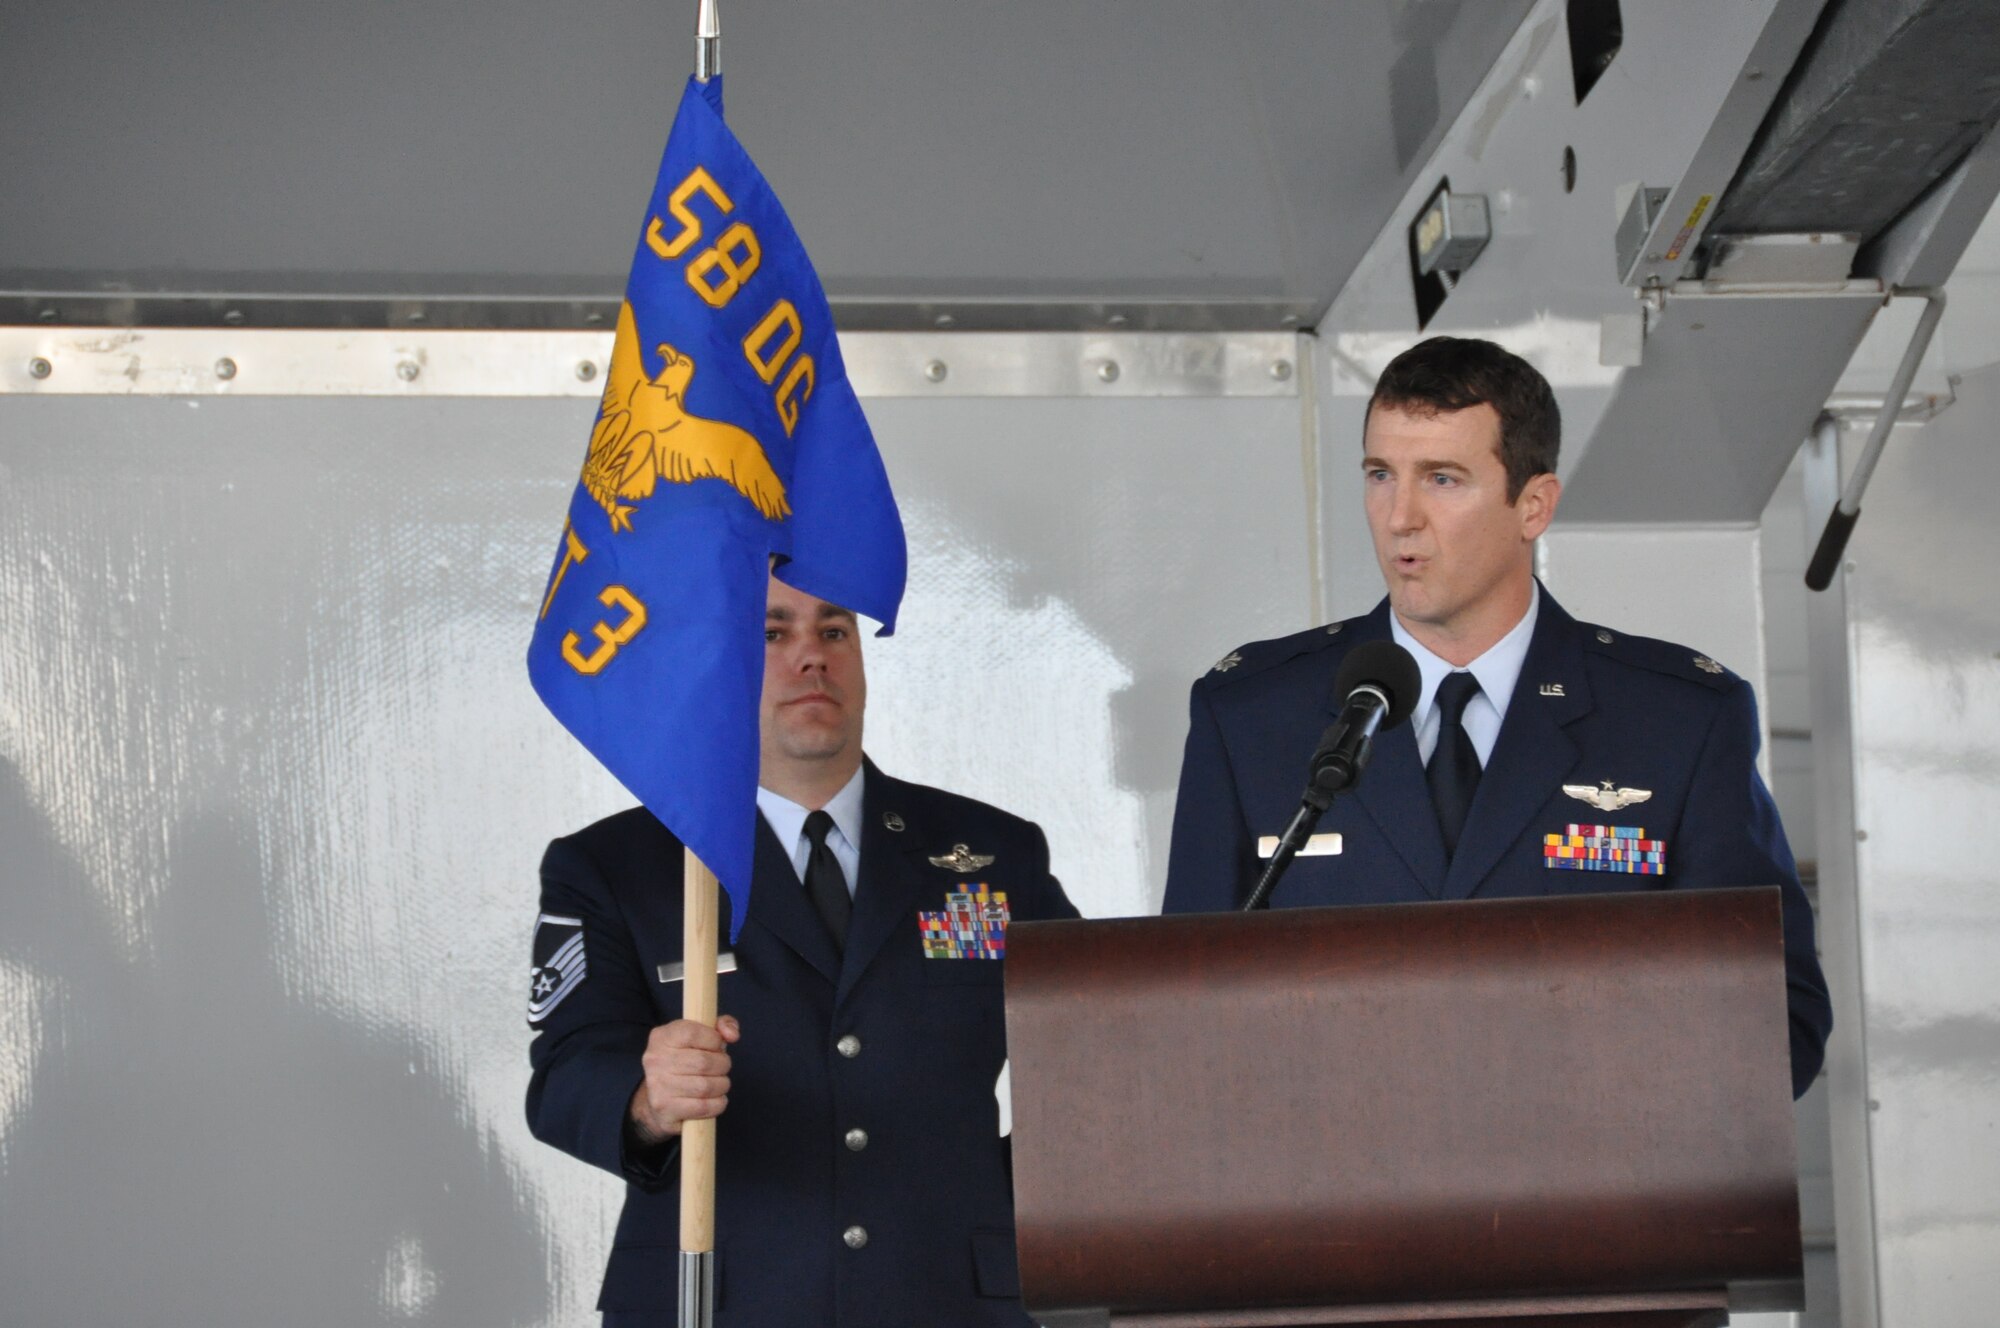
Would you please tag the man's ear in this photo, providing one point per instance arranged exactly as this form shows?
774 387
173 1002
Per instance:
1537 504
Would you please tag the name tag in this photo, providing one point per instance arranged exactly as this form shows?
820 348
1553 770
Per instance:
724 963
1319 846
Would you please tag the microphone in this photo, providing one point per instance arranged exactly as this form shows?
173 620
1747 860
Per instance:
1378 685
1380 682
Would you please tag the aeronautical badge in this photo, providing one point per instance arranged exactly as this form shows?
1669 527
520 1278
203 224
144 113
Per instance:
1606 798
962 860
971 925
1228 662
1706 665
1605 848
559 964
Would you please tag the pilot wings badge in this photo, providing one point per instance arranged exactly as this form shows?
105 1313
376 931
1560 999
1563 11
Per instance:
962 859
645 435
1606 798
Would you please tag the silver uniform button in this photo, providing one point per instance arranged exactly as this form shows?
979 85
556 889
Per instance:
857 1140
855 1237
848 1046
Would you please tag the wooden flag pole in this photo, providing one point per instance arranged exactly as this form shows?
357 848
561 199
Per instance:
699 889
698 1000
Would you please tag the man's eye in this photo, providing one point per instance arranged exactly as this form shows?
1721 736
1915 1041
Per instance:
771 635
834 634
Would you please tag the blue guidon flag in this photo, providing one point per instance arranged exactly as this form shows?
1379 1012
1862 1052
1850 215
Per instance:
728 439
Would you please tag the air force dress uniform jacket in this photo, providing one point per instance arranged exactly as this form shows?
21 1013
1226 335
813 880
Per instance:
860 1176
1593 707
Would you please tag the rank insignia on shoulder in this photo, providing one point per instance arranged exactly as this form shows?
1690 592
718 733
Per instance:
971 925
558 964
1606 798
1227 662
1707 665
962 859
1605 848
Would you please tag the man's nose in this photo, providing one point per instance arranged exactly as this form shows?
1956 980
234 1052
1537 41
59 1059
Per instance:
1405 510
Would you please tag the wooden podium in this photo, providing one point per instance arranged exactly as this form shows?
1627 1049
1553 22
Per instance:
1571 1111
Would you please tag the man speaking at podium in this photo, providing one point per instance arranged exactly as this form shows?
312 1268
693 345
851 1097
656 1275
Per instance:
1544 755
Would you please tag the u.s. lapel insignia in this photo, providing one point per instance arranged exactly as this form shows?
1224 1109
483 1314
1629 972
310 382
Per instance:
892 821
971 925
1706 665
1228 662
1606 798
1552 689
961 859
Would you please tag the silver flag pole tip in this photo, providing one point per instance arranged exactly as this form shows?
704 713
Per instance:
708 42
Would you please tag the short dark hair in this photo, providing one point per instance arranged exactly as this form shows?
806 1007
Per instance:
1456 373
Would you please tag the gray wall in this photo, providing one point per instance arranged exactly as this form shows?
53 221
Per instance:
273 787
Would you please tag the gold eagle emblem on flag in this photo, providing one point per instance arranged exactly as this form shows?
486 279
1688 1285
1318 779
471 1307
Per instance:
644 435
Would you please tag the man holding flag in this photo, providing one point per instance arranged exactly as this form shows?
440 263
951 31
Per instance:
859 1173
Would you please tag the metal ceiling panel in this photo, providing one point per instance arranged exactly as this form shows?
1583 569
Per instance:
1153 164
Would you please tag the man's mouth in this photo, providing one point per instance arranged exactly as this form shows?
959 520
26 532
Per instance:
812 698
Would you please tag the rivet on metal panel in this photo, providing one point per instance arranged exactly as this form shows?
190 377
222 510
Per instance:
1115 320
416 315
1861 836
1847 566
407 370
593 318
1752 75
233 317
50 314
40 368
944 320
935 371
1108 371
1281 370
225 368
585 370
1290 320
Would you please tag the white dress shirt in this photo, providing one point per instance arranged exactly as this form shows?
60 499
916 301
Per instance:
788 821
1497 670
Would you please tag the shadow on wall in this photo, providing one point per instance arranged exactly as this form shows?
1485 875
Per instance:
194 1145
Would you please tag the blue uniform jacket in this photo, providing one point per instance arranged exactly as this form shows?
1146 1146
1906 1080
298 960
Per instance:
1591 705
932 1185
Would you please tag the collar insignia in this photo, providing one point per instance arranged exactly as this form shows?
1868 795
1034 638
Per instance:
1228 662
1552 689
892 821
1606 798
961 859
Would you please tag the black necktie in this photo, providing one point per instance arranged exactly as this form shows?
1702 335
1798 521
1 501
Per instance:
1453 771
826 882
